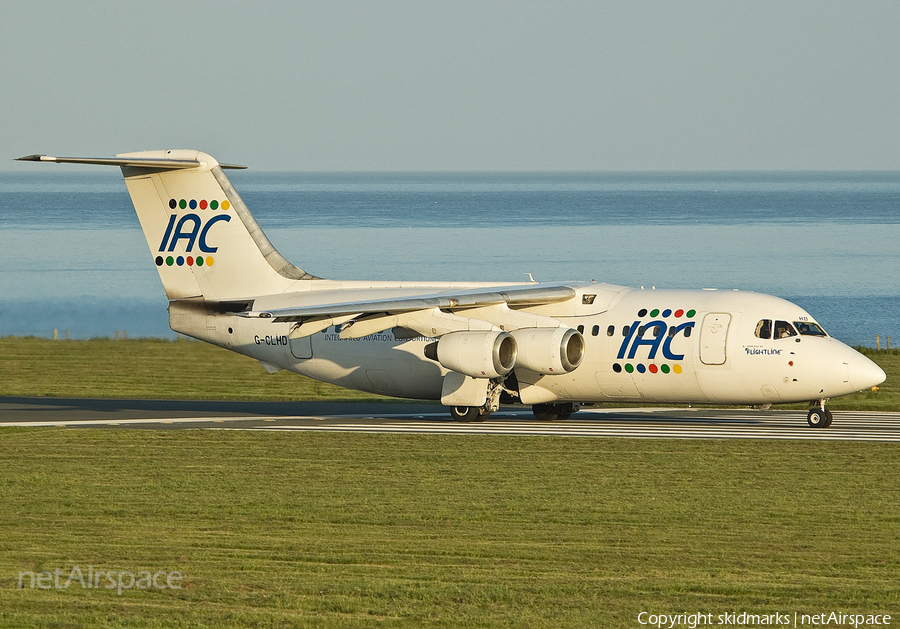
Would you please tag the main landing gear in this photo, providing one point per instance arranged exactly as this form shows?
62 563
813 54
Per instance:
495 389
551 412
819 416
468 413
542 412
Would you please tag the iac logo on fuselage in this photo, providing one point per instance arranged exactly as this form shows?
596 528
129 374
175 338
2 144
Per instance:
192 230
657 335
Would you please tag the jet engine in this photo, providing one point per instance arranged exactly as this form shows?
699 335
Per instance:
549 350
475 354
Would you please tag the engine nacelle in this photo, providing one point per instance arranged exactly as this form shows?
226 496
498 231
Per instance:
549 350
475 354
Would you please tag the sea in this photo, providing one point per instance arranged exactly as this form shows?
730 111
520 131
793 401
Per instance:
73 258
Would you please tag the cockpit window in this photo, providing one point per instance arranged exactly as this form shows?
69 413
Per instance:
807 328
783 330
764 329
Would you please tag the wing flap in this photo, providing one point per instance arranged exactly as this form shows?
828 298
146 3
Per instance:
317 324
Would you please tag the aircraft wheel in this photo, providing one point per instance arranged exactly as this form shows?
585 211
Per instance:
817 418
466 413
566 410
546 412
829 417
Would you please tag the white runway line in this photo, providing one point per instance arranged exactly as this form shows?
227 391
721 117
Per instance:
772 428
617 423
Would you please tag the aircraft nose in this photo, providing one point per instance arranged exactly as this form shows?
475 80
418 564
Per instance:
864 374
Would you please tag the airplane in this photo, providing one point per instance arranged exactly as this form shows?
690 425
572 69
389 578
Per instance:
552 346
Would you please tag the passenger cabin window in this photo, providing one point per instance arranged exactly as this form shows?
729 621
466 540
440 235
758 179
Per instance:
610 330
581 329
783 330
625 330
806 328
764 329
595 330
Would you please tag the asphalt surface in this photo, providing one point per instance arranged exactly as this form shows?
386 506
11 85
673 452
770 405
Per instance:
657 423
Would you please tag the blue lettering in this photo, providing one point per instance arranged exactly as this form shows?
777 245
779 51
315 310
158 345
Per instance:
165 239
662 336
191 236
667 351
627 340
203 246
191 233
653 341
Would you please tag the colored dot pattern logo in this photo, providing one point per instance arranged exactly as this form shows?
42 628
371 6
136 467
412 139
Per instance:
192 204
651 368
643 312
182 261
654 368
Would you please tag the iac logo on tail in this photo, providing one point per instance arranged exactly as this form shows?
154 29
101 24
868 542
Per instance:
193 230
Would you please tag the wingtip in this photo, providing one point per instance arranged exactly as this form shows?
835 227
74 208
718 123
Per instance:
37 157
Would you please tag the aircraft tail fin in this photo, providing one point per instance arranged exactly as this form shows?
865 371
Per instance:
202 237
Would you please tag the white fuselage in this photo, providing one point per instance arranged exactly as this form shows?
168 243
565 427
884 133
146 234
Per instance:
678 346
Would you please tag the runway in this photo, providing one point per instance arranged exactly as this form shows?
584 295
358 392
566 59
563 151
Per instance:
635 423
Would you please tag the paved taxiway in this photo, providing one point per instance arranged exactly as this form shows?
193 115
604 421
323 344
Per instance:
654 423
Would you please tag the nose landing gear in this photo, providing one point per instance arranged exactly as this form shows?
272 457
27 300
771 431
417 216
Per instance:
819 416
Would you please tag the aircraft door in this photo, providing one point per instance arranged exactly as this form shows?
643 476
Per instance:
713 335
301 347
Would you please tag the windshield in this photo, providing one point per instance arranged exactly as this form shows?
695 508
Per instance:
806 328
783 330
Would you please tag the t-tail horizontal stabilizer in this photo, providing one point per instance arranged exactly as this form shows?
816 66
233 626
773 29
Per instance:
137 162
202 238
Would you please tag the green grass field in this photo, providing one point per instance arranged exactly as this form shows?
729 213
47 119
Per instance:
155 368
364 530
149 368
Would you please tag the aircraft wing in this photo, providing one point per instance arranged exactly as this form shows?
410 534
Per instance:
526 295
431 315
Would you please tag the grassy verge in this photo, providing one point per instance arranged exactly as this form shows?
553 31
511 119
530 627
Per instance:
149 368
352 530
156 368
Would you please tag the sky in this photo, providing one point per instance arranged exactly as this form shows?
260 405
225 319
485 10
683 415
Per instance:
503 86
